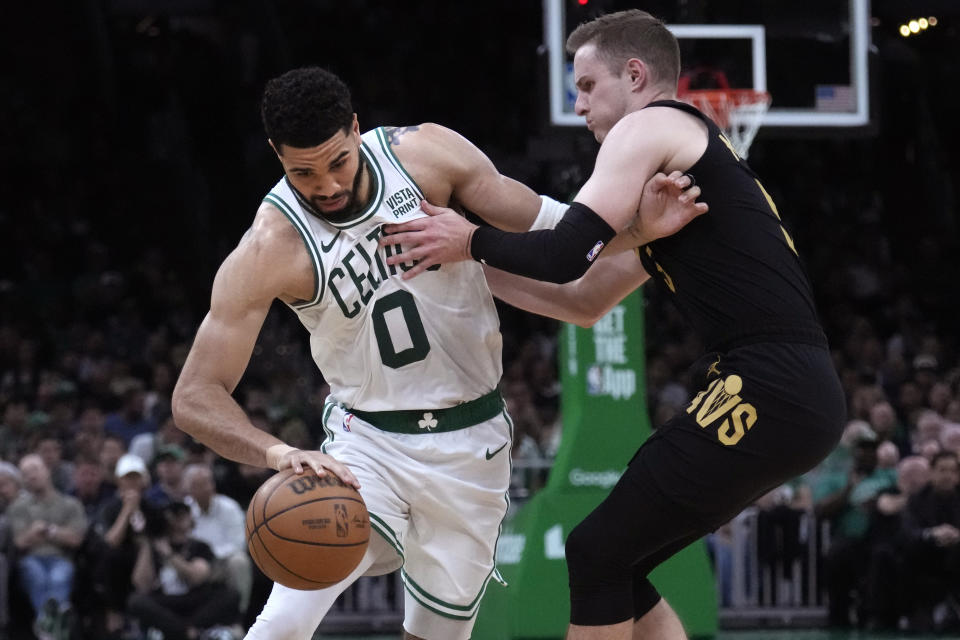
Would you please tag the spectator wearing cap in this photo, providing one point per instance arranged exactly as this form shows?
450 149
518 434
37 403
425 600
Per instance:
127 515
168 467
10 486
47 526
932 526
219 522
847 499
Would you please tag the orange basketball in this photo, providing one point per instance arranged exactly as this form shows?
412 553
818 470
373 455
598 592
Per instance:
306 531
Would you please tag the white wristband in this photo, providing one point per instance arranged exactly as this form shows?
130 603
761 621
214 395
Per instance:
275 452
550 213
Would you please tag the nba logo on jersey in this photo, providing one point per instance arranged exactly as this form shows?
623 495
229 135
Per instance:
347 417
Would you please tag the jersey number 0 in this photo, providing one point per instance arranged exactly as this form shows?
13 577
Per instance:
399 330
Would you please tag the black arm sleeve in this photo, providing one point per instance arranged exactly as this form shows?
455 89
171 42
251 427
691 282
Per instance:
556 255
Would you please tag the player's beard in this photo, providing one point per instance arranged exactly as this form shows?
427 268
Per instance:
352 206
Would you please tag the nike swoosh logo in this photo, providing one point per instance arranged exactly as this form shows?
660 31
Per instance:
493 453
326 247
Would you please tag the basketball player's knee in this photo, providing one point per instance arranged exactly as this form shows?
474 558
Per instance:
589 556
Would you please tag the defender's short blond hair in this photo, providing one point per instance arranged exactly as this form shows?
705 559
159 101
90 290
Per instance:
631 34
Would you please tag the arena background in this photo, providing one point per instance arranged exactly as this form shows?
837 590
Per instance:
133 159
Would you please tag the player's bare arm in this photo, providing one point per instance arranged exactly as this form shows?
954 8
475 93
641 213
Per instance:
667 203
583 301
639 146
636 148
448 167
269 262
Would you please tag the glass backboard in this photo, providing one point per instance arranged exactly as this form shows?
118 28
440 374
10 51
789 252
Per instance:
812 56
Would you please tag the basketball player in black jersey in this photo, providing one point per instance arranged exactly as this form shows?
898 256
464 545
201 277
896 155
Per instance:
769 406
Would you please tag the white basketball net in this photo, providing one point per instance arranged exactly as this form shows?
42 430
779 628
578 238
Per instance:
739 112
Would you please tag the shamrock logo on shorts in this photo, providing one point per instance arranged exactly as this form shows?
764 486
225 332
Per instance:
428 422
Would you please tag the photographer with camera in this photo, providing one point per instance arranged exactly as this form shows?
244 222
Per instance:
175 592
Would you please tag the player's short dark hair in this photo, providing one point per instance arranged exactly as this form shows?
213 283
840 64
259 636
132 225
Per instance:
305 107
631 34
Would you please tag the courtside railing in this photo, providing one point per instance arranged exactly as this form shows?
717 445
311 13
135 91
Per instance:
767 564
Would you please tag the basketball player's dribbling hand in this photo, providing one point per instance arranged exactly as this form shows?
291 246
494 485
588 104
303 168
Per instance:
282 457
441 237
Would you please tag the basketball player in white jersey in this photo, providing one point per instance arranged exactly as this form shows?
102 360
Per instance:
414 419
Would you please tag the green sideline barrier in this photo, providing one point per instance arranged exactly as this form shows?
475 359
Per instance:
604 421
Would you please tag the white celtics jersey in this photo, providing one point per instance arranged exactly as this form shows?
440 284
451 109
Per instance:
381 342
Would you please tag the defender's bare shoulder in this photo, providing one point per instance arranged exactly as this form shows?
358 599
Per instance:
674 138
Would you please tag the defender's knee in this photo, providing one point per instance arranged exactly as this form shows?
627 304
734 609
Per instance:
645 597
591 558
600 577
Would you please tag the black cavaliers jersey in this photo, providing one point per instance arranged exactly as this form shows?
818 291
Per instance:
734 272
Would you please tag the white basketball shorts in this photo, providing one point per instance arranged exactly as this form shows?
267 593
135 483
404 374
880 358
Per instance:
436 491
